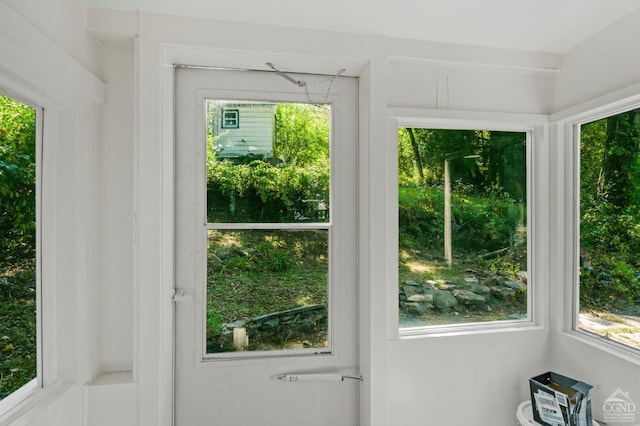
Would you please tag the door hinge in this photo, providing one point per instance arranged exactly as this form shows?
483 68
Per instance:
179 297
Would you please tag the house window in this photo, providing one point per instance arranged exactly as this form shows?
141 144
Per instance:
230 119
18 260
463 235
609 206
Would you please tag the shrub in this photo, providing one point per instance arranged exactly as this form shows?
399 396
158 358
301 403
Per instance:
262 192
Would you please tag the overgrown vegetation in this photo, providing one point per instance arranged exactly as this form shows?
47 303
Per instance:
17 245
252 273
610 214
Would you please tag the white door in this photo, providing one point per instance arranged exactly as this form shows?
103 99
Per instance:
266 306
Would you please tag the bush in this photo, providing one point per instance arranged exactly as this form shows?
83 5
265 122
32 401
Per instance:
262 192
479 224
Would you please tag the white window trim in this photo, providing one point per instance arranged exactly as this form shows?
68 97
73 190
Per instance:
569 123
537 147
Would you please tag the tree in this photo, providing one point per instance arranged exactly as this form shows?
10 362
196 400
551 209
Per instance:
302 134
620 150
416 153
17 180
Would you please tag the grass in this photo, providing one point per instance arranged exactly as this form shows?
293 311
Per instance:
17 327
253 273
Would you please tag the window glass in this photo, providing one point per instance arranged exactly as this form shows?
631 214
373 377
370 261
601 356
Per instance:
274 168
462 226
18 352
267 290
609 272
268 198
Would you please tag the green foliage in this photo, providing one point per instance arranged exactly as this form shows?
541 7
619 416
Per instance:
17 181
479 224
479 158
610 213
302 134
262 192
257 272
17 327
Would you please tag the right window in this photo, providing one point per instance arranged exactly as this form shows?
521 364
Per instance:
609 267
462 216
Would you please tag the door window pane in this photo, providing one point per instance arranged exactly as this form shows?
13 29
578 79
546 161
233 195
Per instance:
609 273
462 226
267 162
267 290
18 353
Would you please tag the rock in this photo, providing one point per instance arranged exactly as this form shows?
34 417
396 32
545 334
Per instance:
235 324
502 292
418 308
517 316
467 297
471 281
271 323
410 290
422 298
516 285
443 299
479 289
411 282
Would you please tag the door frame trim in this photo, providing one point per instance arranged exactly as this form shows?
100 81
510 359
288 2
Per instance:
162 367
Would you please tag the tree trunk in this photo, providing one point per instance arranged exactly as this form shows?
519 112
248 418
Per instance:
621 147
416 153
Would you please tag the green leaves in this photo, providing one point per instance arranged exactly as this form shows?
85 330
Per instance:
17 181
263 192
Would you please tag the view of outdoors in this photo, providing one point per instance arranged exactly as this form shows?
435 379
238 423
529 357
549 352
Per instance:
462 226
610 228
17 245
268 211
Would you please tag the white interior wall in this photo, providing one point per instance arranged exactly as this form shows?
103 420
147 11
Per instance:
48 65
405 379
116 207
604 70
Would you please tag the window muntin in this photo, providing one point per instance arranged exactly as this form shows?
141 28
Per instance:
268 228
609 231
463 237
18 261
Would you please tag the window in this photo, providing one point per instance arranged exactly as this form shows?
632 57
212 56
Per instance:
18 261
463 237
230 118
268 227
609 205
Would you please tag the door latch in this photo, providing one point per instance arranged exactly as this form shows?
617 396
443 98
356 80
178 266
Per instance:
180 297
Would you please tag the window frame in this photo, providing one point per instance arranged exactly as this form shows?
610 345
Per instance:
535 128
202 357
223 118
572 126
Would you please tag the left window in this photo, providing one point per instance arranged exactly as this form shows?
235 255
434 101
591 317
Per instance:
19 283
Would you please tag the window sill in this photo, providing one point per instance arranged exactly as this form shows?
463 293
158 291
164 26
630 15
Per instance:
467 329
609 346
32 400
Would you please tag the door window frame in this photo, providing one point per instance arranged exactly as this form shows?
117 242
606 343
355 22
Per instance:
202 357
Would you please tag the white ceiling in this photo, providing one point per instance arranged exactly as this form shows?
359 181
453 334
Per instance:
541 25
